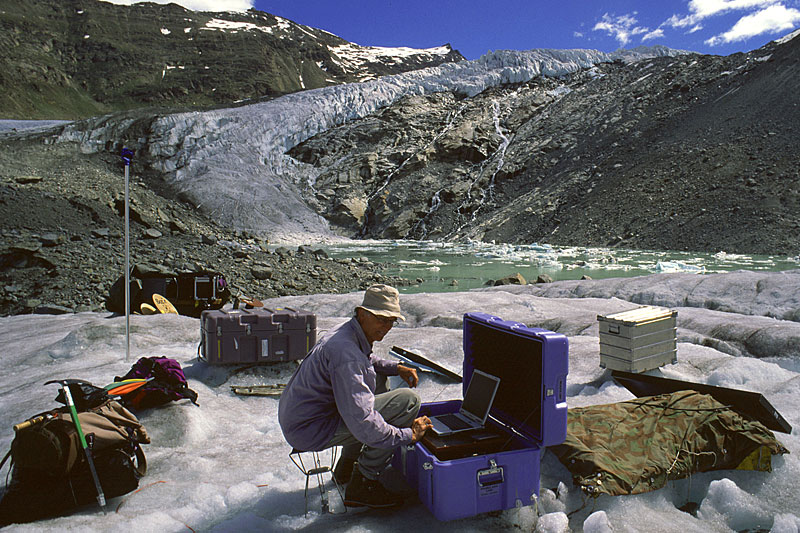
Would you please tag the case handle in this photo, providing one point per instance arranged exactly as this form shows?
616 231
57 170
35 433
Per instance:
491 476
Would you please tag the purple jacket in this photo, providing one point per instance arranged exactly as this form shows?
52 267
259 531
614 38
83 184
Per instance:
336 381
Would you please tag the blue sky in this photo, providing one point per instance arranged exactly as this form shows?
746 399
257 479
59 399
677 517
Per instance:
474 27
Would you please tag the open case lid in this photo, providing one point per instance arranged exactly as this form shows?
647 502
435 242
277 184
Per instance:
750 404
532 365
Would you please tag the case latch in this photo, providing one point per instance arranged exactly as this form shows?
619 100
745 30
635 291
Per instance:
427 466
491 476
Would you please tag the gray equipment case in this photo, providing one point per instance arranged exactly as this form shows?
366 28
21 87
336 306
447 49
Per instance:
257 335
638 340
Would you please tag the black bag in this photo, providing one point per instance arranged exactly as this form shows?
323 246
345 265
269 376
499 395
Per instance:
49 472
34 494
190 292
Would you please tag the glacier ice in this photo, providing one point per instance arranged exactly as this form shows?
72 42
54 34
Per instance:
232 163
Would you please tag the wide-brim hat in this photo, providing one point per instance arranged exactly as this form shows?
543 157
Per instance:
382 300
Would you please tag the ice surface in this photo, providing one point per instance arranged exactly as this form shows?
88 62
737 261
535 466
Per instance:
745 292
553 523
597 522
10 126
223 466
232 163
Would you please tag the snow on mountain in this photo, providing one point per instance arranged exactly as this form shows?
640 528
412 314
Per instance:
350 57
355 58
788 37
232 163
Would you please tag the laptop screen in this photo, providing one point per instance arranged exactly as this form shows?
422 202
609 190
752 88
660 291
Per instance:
480 393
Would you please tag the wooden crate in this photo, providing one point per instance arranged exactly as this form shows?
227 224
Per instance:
638 340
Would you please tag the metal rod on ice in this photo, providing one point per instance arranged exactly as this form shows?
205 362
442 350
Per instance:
126 158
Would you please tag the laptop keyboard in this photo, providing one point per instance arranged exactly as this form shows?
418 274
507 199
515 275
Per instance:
453 422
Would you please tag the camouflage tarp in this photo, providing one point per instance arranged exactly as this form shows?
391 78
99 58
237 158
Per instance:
637 446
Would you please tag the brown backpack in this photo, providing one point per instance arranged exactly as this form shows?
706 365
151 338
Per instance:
50 474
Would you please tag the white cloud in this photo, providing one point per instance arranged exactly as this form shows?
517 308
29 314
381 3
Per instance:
198 5
702 9
708 8
622 28
655 34
773 19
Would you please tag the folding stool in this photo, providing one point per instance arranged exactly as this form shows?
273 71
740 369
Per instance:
317 469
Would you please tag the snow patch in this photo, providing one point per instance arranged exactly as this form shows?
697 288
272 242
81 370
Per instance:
234 27
352 56
789 37
284 24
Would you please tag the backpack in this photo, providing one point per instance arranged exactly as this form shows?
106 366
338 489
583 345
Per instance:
168 383
49 471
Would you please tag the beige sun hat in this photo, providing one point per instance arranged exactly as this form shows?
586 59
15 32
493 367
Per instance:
382 300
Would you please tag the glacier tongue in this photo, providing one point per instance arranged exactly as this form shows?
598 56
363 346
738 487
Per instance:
232 163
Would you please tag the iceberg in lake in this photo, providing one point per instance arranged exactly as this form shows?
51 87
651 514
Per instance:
678 266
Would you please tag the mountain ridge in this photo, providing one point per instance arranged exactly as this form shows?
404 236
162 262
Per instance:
67 59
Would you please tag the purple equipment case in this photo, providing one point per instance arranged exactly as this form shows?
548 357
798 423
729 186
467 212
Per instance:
257 335
530 406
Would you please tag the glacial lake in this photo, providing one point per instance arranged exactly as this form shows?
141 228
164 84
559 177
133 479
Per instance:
444 267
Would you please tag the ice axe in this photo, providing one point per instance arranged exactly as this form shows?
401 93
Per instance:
101 499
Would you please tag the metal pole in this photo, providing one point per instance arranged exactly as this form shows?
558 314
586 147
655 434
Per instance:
126 158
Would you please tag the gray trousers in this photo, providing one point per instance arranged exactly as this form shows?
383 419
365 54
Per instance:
399 408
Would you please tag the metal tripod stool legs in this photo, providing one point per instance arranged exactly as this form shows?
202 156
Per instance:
317 469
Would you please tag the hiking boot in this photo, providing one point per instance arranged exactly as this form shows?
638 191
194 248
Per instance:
343 470
363 492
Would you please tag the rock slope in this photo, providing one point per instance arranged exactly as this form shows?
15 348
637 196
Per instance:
61 237
686 153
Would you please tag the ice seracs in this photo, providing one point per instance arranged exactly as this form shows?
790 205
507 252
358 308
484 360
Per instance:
232 163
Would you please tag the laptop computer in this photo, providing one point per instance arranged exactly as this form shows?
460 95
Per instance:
474 409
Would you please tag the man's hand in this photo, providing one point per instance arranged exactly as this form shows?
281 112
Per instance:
419 427
409 375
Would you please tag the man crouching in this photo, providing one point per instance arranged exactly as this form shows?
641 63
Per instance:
333 399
